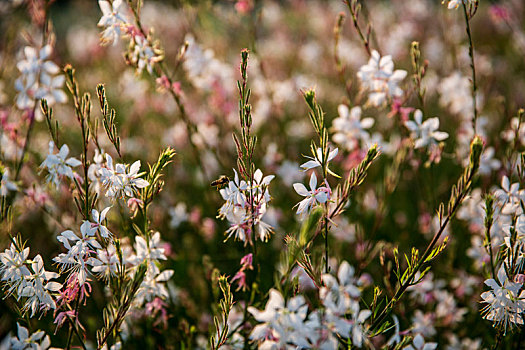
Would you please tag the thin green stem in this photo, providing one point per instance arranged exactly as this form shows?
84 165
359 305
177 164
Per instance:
472 65
70 335
72 324
326 268
491 254
364 39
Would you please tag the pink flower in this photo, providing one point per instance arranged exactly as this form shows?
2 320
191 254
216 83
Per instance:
167 248
195 216
241 278
132 30
72 288
63 316
208 228
398 109
163 83
243 6
133 205
153 308
37 195
499 14
246 262
176 87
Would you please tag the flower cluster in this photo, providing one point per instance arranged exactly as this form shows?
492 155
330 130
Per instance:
504 302
27 279
121 180
425 134
116 23
245 206
114 18
349 129
38 340
316 195
380 80
289 325
38 79
58 165
313 196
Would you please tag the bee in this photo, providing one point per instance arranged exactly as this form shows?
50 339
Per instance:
221 182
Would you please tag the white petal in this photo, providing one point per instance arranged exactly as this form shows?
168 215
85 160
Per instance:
313 182
301 189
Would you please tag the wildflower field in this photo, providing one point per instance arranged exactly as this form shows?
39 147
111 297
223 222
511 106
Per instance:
245 174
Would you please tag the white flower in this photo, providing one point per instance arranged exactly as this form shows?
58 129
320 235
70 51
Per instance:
317 160
509 196
358 330
281 325
113 17
425 133
337 297
26 86
119 182
423 323
57 165
455 93
233 194
418 343
349 129
78 254
38 78
153 285
37 287
51 89
179 214
105 264
504 305
238 218
260 185
98 223
35 62
263 230
94 171
204 70
454 4
320 331
144 56
150 251
245 206
347 285
6 185
312 197
487 162
380 80
13 268
23 341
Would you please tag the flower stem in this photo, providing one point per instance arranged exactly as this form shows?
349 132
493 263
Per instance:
354 11
472 65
